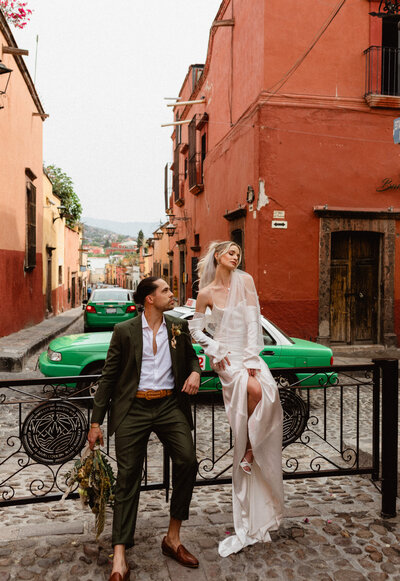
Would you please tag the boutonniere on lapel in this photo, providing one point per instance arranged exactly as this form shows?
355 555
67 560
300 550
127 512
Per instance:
176 330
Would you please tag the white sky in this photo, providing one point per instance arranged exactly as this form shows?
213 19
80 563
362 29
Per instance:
103 70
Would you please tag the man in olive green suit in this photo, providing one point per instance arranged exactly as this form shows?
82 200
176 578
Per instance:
150 373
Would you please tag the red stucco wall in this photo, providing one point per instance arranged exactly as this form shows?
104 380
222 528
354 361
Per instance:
21 292
311 141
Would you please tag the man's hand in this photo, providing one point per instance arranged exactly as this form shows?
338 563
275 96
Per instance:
94 435
192 384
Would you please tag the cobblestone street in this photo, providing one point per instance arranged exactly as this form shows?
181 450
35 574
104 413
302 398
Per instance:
332 528
332 531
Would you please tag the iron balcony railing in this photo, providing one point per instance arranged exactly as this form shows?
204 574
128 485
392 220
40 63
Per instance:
382 71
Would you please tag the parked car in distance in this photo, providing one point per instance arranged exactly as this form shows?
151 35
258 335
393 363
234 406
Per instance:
85 354
107 307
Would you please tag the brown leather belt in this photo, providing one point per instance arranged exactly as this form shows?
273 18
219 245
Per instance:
154 394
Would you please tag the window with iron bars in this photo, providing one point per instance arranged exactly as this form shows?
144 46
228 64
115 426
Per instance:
30 239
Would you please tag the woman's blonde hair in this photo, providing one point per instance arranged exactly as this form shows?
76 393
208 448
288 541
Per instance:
208 263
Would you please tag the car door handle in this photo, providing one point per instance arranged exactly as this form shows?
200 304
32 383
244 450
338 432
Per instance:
268 353
201 351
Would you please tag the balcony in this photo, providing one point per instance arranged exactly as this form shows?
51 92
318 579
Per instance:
382 77
177 182
195 174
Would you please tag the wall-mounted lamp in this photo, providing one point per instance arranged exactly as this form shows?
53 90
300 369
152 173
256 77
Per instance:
5 71
62 211
158 234
250 195
170 229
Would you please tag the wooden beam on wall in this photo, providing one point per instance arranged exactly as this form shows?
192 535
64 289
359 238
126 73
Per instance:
42 115
228 22
14 50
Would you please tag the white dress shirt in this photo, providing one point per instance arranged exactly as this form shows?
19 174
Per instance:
156 372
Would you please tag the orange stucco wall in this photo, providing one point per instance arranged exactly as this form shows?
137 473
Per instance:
21 148
71 266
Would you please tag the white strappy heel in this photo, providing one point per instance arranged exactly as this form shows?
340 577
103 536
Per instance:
245 465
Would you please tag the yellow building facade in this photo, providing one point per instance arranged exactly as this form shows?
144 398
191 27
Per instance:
52 250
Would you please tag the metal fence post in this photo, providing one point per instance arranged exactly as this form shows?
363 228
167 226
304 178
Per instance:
390 397
376 406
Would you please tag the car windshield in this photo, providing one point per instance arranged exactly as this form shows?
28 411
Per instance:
120 296
178 313
278 329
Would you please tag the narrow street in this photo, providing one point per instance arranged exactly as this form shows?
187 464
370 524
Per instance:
223 179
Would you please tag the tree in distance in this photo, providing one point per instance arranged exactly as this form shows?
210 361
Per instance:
140 239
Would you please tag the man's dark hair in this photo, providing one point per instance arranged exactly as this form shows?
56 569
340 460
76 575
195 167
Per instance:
145 287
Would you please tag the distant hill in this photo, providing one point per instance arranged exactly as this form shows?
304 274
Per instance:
125 228
98 236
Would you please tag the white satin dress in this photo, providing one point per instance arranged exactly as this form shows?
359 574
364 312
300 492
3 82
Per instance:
257 497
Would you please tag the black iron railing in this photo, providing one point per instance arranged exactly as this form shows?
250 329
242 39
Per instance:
382 73
345 422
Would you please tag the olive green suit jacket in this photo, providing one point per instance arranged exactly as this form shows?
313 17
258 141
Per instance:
121 373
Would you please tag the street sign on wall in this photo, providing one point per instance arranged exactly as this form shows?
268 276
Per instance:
279 224
396 130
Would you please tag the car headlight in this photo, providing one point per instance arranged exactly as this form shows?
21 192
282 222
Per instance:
53 355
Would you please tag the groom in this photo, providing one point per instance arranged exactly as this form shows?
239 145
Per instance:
149 374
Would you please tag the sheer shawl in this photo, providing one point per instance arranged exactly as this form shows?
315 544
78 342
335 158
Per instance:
243 299
242 302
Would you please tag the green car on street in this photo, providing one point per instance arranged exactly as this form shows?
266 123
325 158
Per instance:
107 307
85 354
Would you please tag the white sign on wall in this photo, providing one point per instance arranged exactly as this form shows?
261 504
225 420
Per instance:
279 214
279 224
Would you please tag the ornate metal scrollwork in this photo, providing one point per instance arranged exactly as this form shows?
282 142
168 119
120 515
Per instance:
387 8
54 432
295 416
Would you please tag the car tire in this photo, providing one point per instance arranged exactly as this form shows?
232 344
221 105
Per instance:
84 387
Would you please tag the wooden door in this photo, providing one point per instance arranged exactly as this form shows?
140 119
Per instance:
354 306
195 277
182 277
49 283
73 294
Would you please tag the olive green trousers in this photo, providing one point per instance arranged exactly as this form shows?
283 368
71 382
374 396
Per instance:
165 418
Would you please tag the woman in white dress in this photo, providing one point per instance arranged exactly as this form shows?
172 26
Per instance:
250 393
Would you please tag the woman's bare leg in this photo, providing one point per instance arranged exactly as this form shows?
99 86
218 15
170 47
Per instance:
253 397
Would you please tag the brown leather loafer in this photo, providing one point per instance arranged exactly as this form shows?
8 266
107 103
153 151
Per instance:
118 576
181 555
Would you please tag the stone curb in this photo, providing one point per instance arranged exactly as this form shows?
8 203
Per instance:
17 347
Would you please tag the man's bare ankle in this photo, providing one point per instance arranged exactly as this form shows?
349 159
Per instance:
173 541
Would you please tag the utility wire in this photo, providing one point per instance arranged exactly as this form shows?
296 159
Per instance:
279 84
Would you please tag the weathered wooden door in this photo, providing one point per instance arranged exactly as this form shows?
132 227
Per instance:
49 306
354 305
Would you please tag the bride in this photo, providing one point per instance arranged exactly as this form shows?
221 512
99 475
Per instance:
227 307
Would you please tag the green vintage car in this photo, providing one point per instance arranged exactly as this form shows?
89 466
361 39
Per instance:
84 354
107 307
